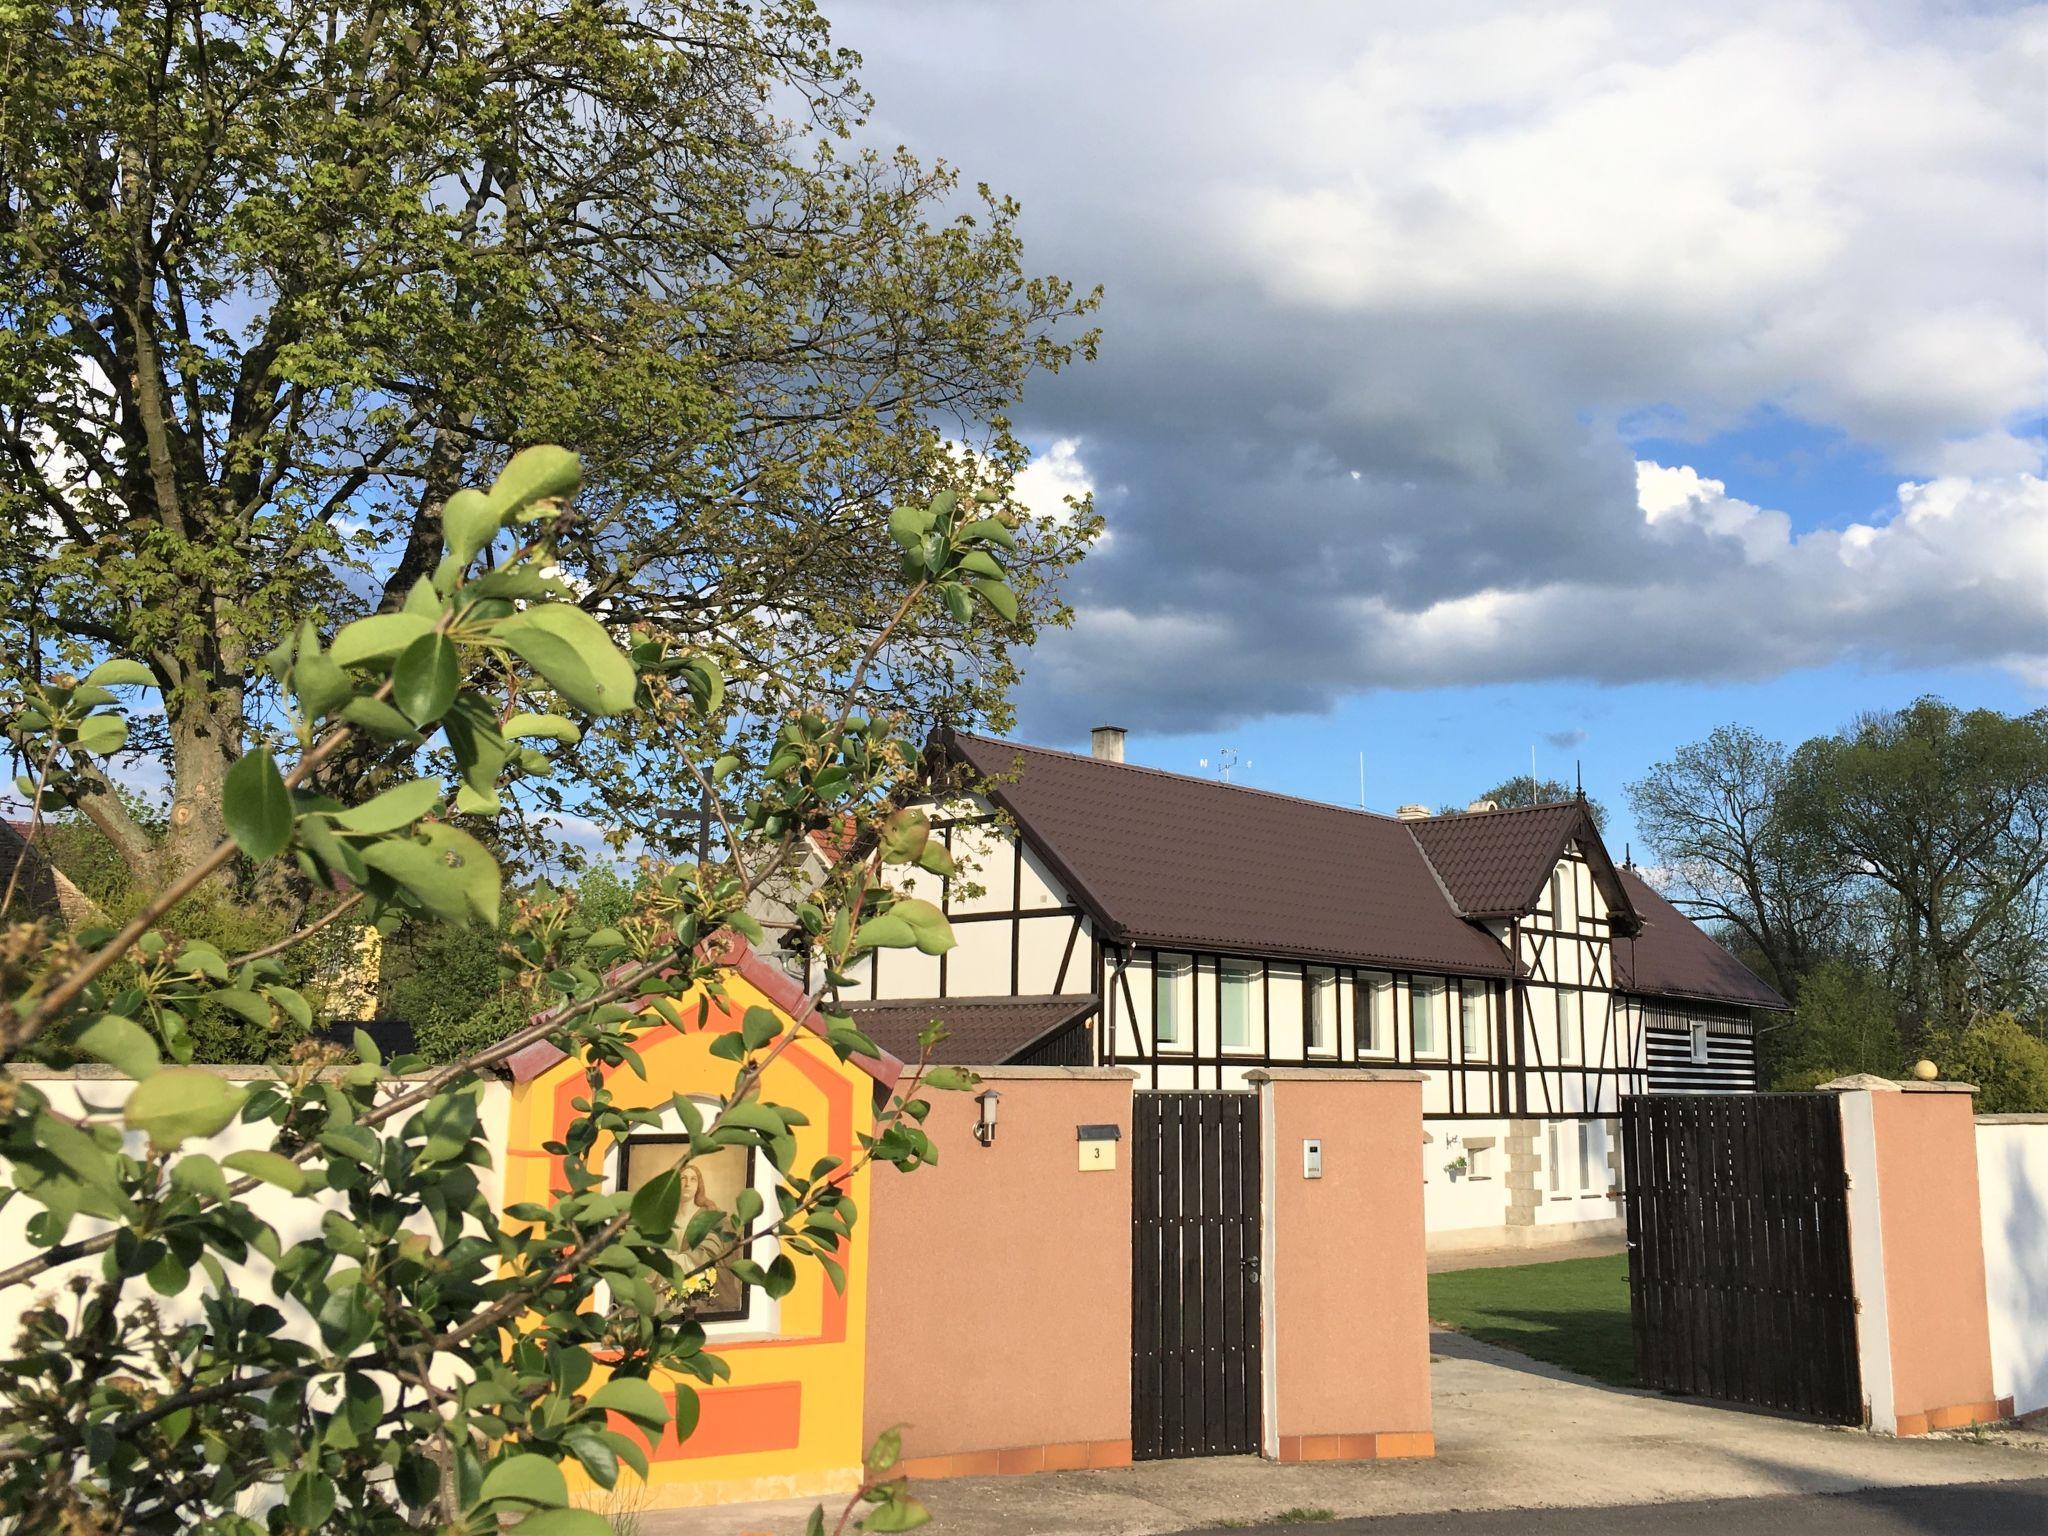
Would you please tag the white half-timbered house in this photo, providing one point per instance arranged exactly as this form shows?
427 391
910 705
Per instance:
1193 930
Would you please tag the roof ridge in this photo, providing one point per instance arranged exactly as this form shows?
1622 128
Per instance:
1185 778
1501 810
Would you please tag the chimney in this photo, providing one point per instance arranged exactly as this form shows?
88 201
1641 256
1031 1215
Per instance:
1107 743
1483 805
1413 813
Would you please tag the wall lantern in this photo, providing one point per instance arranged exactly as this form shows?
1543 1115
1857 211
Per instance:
985 1130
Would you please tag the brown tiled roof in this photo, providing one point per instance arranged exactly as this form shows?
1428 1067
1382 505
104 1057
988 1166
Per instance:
1671 957
983 1031
1183 863
1494 863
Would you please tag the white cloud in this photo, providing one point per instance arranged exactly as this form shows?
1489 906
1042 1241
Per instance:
1052 477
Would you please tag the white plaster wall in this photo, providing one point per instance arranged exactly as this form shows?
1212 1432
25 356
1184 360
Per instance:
1451 1203
2012 1184
296 1217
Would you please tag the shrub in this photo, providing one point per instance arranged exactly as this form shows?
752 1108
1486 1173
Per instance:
2008 1064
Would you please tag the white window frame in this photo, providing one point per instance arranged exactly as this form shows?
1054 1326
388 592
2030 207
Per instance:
1253 994
1697 1048
1437 990
1571 1024
1377 1015
1173 978
1319 994
1473 997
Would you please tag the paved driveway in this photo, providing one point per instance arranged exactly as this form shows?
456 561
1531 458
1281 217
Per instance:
1511 1434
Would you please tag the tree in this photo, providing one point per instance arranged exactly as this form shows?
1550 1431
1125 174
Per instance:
424 1359
1523 790
2008 1065
1940 817
275 281
1713 815
1845 1022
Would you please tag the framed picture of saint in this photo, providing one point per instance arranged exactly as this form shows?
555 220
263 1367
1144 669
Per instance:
711 1182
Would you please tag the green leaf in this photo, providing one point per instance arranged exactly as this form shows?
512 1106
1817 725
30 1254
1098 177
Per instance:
102 735
949 1079
375 715
475 871
903 837
468 524
256 805
899 1512
270 1167
378 636
320 684
936 859
424 681
309 1498
998 596
119 1042
399 806
929 928
885 932
422 875
987 530
547 727
200 1175
656 1202
526 1478
181 1102
541 473
572 651
886 1451
908 525
633 1397
120 672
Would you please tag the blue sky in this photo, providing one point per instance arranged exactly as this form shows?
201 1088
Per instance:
1481 374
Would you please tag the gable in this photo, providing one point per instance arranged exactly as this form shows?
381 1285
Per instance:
1494 864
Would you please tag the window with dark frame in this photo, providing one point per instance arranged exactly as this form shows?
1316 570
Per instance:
1237 983
1375 1007
1319 1009
1172 982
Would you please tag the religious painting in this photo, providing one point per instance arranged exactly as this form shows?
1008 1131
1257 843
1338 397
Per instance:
711 1181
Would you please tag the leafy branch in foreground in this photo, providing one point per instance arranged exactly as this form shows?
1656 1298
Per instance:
418 1357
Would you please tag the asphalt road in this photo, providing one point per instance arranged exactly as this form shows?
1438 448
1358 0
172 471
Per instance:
1957 1509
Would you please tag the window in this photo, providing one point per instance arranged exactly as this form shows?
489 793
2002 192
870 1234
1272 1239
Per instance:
710 1181
1699 1043
1426 999
1319 1020
1172 989
1554 1163
1472 1019
1588 1136
1238 978
1556 897
1375 1013
1569 1005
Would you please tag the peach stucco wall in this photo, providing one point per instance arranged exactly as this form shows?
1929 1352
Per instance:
1933 1258
999 1294
1347 1290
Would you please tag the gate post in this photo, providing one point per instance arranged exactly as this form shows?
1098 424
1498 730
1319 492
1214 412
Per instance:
1345 1296
1916 1254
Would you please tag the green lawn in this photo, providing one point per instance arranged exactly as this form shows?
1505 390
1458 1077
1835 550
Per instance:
1572 1313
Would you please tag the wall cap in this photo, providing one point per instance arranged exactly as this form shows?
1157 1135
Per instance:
2012 1119
100 1072
1057 1074
1332 1075
1870 1082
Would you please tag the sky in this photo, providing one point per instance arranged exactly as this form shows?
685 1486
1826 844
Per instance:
1484 377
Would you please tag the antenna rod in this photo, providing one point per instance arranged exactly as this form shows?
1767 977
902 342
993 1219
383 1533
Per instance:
1361 781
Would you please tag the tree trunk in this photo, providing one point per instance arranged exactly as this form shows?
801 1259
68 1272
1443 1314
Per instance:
206 738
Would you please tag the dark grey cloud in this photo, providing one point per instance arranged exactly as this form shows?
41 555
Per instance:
1382 282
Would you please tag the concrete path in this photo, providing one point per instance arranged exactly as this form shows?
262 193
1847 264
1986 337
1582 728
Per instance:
1511 1434
1962 1509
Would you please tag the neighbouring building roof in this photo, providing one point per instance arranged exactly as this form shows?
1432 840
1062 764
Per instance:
1495 863
1671 957
1182 863
1173 862
981 1030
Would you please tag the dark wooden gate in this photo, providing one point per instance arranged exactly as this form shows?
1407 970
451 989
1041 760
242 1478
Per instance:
1196 1387
1738 1240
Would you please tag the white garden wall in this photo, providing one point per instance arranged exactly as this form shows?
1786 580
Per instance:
296 1217
2012 1180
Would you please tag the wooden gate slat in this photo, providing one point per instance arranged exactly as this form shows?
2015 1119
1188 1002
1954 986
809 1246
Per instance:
1739 1280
